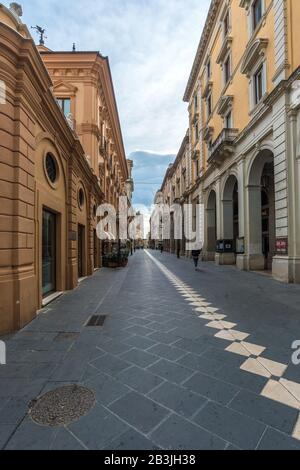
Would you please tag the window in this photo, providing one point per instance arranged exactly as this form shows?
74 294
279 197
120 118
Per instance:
196 101
228 120
65 105
227 70
226 24
196 131
208 69
197 167
256 13
209 105
80 197
51 168
258 79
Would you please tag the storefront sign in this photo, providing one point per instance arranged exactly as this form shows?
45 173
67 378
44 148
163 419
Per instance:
282 246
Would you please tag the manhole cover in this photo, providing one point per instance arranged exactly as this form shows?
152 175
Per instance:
62 405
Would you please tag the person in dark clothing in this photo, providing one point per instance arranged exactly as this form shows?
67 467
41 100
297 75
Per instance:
161 248
195 256
178 252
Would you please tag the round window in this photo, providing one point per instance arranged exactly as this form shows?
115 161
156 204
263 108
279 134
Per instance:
81 197
51 167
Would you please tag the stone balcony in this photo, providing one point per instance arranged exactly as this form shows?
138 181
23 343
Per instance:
223 147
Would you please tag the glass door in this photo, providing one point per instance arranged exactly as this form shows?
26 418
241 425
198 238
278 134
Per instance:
48 253
80 251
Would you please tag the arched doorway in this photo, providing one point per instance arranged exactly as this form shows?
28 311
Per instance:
262 227
211 223
230 206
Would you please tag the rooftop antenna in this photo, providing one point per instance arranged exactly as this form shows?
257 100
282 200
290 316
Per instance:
41 32
74 47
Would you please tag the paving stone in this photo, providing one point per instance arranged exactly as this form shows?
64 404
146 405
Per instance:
98 428
139 411
276 440
211 388
106 389
201 364
133 441
22 388
139 379
267 411
30 436
141 342
13 411
65 441
165 338
178 399
191 346
110 364
115 347
234 427
170 371
139 357
225 357
178 434
241 378
139 330
166 352
6 431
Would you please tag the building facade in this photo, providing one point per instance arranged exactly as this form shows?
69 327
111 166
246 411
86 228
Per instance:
56 168
243 96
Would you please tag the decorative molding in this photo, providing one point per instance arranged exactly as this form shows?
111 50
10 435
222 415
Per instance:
224 49
254 52
225 104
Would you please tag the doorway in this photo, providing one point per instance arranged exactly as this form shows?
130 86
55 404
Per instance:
80 250
48 253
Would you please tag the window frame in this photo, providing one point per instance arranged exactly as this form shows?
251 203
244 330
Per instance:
61 103
209 105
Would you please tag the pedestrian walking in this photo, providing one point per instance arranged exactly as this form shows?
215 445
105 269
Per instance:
178 252
196 255
161 248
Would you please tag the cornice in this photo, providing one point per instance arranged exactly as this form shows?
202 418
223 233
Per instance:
207 31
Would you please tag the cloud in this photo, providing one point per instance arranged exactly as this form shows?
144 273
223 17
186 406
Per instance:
148 172
151 46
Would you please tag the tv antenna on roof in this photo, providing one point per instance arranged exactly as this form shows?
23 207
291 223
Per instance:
41 32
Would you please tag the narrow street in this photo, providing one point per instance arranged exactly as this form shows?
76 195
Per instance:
184 360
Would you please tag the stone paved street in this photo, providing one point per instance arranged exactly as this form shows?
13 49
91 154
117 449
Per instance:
185 360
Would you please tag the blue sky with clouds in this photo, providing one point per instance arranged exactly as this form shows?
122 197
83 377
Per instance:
151 46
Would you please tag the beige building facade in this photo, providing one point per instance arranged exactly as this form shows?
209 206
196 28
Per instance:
243 96
61 156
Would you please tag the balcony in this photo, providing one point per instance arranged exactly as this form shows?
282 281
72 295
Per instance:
223 147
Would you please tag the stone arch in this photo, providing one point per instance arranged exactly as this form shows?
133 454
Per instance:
261 209
211 224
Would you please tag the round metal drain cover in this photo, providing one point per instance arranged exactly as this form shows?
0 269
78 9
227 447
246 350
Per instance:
62 405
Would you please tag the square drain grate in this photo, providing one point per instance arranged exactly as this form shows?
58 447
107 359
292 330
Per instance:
96 320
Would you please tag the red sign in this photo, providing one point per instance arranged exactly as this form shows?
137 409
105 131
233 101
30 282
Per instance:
282 246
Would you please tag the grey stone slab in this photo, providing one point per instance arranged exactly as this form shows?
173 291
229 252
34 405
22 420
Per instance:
170 371
98 428
191 346
131 440
45 357
13 411
225 357
166 352
139 379
30 436
110 364
115 347
163 327
164 338
176 433
241 378
139 357
66 441
72 369
211 388
106 389
140 321
139 330
234 427
267 411
179 399
6 431
139 411
26 388
201 364
140 342
276 440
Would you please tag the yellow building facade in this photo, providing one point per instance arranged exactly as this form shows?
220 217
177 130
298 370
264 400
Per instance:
61 156
243 96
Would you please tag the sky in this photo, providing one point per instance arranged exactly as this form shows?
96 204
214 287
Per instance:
151 45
